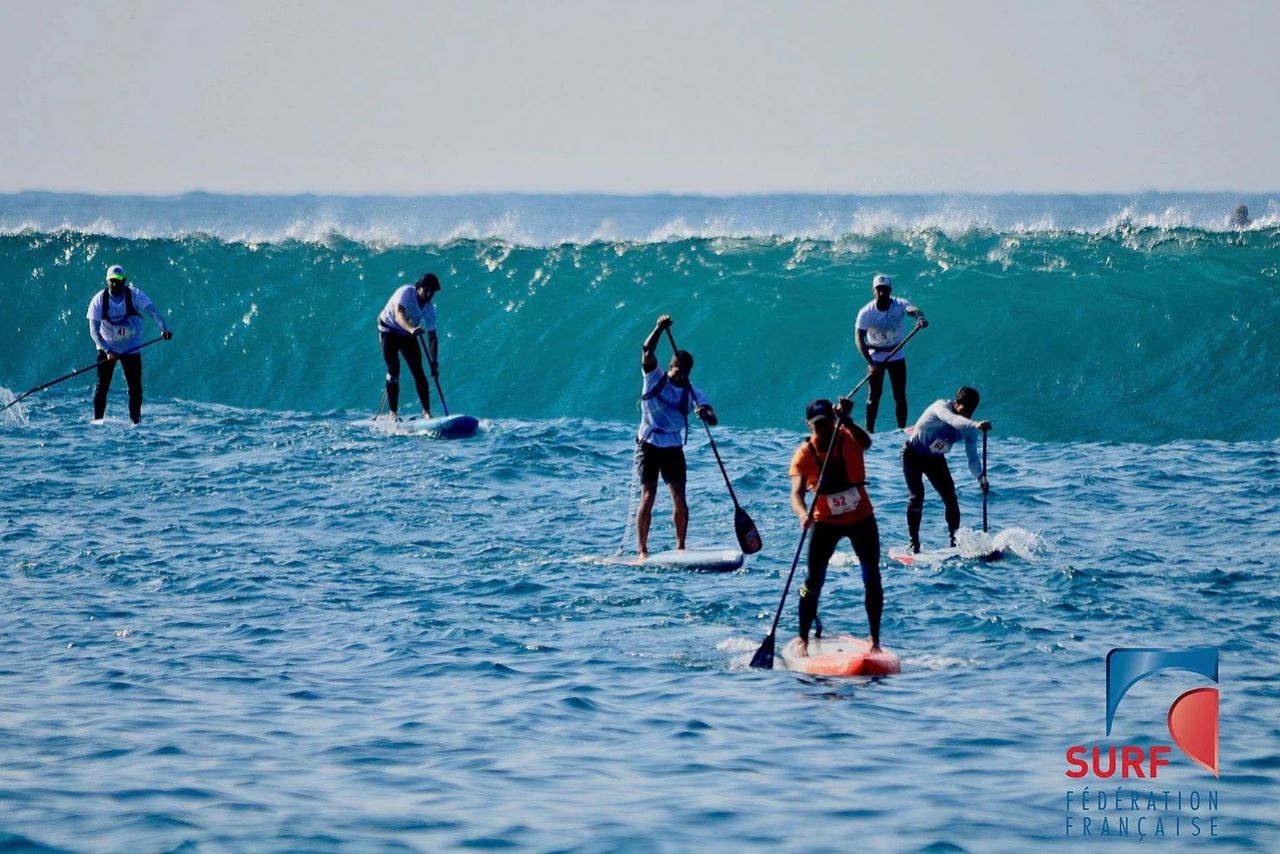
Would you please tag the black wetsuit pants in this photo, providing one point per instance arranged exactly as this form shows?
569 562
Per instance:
394 346
131 365
917 466
823 539
897 372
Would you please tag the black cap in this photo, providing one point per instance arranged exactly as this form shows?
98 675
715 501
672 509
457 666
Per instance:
819 409
429 281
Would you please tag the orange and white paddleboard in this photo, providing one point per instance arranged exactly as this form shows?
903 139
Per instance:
842 655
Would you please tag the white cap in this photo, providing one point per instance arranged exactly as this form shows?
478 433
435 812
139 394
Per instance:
115 271
881 280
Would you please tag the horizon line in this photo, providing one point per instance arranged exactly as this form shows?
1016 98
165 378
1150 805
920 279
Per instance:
630 194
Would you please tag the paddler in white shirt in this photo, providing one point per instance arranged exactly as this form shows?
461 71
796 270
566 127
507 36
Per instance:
407 316
115 325
877 330
925 455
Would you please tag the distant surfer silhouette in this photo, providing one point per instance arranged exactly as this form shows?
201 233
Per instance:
1240 218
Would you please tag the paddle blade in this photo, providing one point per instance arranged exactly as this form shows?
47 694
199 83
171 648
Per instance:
748 536
763 659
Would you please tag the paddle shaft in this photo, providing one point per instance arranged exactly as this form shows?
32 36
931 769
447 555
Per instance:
886 359
435 372
74 373
706 427
984 474
808 518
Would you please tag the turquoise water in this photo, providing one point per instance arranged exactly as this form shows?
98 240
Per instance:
254 624
1135 332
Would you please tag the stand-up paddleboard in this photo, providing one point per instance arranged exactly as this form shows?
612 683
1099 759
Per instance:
842 655
447 427
693 560
931 557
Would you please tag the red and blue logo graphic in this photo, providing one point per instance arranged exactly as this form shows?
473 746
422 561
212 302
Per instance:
1193 717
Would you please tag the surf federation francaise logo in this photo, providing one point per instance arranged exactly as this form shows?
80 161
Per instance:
1146 809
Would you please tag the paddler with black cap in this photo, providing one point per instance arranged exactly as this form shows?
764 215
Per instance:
408 315
877 331
841 510
115 325
925 455
666 400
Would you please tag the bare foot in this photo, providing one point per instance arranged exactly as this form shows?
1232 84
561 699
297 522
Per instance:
875 647
802 648
644 555
426 414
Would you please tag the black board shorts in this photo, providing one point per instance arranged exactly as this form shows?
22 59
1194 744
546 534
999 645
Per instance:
669 462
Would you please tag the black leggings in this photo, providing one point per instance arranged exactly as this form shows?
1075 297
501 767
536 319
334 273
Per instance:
897 372
407 346
131 364
915 467
823 539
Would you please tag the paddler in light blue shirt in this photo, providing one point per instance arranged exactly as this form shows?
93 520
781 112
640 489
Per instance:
665 403
925 455
115 325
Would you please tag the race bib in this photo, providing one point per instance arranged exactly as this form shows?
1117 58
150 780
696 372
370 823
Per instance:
940 446
840 503
122 333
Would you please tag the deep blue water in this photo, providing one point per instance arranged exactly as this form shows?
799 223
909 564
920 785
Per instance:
242 630
253 624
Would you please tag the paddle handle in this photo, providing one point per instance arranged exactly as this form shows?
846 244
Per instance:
435 375
714 450
74 373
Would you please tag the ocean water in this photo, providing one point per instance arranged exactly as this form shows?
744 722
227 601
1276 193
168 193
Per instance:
255 624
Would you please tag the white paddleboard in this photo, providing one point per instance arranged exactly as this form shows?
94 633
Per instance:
842 655
694 560
446 427
932 557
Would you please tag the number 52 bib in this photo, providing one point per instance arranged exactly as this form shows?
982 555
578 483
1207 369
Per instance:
840 503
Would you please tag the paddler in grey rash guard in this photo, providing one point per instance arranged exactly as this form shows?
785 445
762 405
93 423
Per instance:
925 455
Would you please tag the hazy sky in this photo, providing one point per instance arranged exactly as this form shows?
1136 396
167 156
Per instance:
700 97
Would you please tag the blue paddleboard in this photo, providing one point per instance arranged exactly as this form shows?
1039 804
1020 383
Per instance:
693 560
447 427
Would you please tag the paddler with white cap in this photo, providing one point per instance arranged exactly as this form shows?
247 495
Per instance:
115 325
877 331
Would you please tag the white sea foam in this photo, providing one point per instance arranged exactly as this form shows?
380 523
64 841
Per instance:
738 644
15 414
542 221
